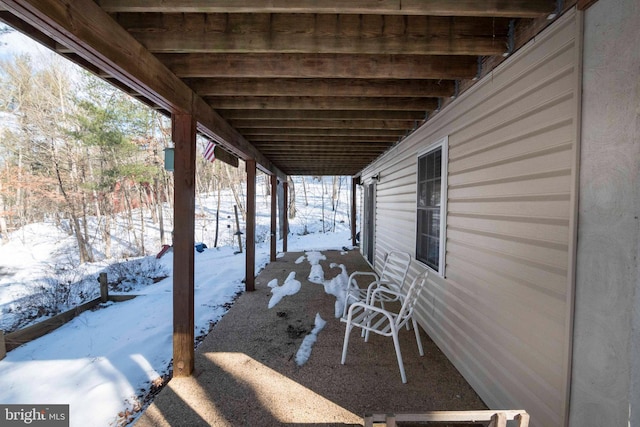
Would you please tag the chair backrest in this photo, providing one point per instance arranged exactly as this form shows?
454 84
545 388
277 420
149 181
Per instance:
411 298
395 268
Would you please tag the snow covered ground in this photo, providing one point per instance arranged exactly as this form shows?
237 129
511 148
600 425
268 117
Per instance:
104 361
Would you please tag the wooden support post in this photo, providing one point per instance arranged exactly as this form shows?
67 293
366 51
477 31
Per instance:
281 209
184 138
3 348
285 215
274 216
354 188
250 279
104 288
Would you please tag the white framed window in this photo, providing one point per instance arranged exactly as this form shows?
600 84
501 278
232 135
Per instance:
431 206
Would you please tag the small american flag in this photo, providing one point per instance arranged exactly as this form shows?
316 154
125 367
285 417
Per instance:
210 152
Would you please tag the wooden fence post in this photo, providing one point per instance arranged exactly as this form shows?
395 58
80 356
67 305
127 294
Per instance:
3 349
104 289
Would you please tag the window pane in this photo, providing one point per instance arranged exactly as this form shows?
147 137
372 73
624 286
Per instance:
433 253
434 224
422 194
429 166
421 221
434 194
421 250
437 163
422 168
427 221
428 190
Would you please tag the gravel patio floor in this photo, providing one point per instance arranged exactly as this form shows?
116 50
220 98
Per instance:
246 373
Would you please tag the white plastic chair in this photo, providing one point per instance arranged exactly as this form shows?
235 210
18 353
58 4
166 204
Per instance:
393 275
371 318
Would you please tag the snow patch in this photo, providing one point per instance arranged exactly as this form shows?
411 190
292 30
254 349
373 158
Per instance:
291 286
307 344
337 287
314 257
316 275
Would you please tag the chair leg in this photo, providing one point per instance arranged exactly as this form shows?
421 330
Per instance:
347 332
396 344
418 340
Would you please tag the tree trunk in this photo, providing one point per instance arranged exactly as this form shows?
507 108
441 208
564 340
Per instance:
336 201
168 193
106 236
18 203
140 192
215 242
75 224
292 197
84 255
323 191
334 192
130 228
304 191
160 207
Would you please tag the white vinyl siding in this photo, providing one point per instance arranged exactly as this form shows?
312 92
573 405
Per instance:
503 313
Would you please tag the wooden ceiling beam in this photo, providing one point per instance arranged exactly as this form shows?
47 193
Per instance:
363 157
514 8
323 167
324 124
296 33
304 146
362 133
336 154
322 103
89 31
256 65
258 115
337 160
320 87
257 140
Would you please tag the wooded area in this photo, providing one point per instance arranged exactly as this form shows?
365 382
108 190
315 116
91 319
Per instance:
74 149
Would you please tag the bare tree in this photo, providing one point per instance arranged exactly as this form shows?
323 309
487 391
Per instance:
292 197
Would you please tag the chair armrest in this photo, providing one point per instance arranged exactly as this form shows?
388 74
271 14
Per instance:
387 287
385 290
363 273
370 308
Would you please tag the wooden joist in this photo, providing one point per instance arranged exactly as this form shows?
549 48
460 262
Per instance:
322 102
513 8
296 65
321 87
320 140
309 33
258 115
323 124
